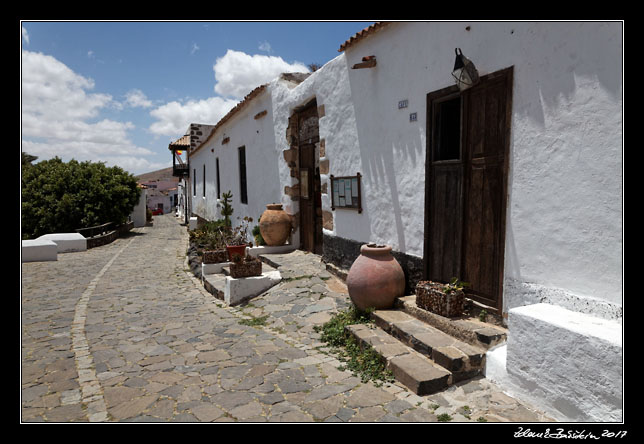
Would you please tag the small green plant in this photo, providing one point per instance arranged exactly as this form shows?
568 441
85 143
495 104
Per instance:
444 417
481 419
363 360
226 208
455 285
483 315
259 240
254 322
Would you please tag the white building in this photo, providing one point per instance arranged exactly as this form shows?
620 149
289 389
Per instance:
513 185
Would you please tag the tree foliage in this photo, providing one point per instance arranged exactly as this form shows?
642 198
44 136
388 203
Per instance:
59 197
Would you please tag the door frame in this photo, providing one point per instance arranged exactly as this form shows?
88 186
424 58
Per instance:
312 227
443 94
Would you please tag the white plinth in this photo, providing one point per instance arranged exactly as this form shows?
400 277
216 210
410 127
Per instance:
192 223
213 268
67 242
266 249
568 363
37 250
238 290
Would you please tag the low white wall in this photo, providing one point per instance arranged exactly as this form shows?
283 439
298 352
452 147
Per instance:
568 362
139 215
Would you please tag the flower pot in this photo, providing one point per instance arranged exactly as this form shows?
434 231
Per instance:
431 296
275 225
245 269
214 256
236 249
375 278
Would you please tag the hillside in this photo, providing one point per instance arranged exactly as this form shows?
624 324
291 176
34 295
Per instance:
163 174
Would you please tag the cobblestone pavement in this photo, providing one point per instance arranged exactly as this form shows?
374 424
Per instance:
124 332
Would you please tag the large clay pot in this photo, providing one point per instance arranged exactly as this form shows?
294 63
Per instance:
275 225
375 279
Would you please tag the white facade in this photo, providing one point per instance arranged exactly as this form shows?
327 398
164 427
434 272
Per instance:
563 222
262 164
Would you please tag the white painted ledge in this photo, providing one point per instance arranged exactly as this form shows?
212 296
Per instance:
566 363
37 250
67 242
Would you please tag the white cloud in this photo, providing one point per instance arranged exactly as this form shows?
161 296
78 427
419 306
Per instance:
174 118
25 34
57 109
194 49
136 98
238 73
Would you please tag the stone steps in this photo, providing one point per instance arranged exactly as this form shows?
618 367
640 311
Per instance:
418 373
470 330
421 356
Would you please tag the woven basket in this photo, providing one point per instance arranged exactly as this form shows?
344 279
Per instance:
246 269
430 296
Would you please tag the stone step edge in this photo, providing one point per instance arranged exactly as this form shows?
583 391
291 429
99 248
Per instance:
415 371
463 360
483 335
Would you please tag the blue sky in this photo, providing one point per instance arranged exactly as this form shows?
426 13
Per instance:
119 92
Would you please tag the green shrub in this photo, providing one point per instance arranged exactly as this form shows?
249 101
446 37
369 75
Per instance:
59 197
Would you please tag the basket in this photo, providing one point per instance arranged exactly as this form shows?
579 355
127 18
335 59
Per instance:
431 296
245 269
214 256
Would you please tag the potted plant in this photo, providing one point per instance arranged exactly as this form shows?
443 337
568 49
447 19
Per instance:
237 238
443 299
245 266
214 248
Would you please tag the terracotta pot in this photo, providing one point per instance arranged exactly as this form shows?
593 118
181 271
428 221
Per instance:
375 279
236 249
275 225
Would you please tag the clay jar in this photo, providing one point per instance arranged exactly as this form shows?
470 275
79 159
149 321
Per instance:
274 225
375 278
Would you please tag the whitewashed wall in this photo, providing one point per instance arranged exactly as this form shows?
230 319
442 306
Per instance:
564 213
263 184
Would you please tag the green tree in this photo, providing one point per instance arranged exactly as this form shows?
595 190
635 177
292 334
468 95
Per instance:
61 196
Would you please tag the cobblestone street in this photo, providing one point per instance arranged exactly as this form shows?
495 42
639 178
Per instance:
124 332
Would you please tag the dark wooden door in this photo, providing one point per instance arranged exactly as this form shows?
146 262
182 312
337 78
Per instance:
307 200
486 127
468 140
309 179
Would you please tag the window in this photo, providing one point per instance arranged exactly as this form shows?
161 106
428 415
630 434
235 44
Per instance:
194 181
204 180
218 186
243 194
447 127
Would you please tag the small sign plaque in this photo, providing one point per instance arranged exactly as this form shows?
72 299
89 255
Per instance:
403 104
413 117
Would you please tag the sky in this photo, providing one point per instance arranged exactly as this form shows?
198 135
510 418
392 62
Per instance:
120 92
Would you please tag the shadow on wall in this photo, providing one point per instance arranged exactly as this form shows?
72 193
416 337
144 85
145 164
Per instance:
567 53
395 194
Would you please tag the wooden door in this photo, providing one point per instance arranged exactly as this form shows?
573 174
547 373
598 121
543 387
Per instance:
309 179
466 182
307 201
486 128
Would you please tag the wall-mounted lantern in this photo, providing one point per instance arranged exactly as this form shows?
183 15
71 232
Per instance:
464 71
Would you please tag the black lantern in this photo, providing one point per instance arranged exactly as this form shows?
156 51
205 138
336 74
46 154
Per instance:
464 71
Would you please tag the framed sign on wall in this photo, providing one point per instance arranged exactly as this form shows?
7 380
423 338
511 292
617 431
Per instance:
346 192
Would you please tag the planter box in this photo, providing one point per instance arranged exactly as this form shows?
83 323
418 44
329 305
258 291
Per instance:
431 297
214 256
246 269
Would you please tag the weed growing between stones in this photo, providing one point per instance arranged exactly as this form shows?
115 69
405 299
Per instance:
254 322
362 361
